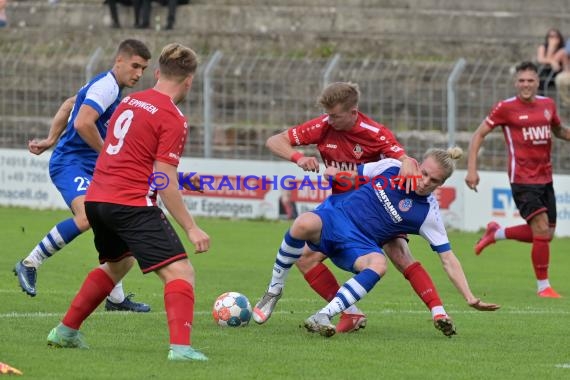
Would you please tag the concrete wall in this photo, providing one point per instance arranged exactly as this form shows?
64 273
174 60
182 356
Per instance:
439 29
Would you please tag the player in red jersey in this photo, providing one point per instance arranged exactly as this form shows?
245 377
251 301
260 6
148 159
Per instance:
345 138
527 121
142 150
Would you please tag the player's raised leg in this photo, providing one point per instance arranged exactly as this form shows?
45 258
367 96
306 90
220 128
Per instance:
290 251
493 232
306 227
373 267
58 237
321 279
64 233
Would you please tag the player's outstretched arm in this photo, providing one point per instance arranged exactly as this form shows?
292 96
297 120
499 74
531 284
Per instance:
175 205
472 177
454 271
57 127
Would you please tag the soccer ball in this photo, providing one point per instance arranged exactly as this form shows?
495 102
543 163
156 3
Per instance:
232 309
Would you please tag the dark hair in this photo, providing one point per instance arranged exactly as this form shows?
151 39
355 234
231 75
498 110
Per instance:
133 47
560 38
526 65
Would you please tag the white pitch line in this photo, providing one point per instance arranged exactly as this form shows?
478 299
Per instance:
300 312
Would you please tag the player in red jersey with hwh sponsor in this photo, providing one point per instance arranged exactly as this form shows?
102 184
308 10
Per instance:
146 137
527 121
345 138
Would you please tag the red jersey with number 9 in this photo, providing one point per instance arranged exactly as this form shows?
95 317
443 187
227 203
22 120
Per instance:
527 130
146 127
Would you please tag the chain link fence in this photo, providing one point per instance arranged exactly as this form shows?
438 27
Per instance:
238 101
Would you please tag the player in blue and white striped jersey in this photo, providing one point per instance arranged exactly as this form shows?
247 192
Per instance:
83 121
351 228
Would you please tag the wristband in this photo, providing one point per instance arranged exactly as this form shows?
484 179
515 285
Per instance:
295 157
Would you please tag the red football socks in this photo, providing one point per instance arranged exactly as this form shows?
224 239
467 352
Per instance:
179 305
540 256
95 288
522 232
422 284
322 280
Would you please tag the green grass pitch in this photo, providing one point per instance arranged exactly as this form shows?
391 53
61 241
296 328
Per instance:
527 338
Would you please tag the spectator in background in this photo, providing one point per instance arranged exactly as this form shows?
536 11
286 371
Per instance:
115 22
171 18
551 58
551 52
562 80
3 18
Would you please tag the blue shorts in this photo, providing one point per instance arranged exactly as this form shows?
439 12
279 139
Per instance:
341 240
71 179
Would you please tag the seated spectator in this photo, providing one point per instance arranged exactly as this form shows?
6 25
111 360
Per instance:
563 78
551 58
566 56
551 52
3 18
115 23
171 18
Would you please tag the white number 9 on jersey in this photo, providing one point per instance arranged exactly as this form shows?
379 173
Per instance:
120 129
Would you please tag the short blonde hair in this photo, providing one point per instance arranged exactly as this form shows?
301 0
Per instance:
177 61
446 158
345 93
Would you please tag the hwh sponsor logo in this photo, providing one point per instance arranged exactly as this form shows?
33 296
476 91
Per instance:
536 133
344 166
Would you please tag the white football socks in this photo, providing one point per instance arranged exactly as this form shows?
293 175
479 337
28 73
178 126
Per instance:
117 295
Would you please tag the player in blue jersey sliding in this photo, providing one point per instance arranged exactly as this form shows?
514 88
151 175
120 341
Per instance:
350 229
83 121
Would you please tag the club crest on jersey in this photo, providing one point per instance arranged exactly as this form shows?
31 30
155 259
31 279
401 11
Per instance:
547 115
357 151
405 205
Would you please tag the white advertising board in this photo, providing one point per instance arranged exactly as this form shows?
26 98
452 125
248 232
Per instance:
251 189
